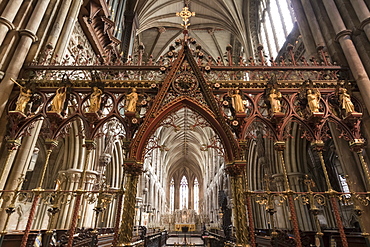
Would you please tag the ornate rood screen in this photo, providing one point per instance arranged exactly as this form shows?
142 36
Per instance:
238 97
273 92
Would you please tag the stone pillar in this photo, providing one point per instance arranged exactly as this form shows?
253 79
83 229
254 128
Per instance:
6 19
67 29
304 28
133 169
12 146
314 25
363 14
177 194
28 36
343 36
58 23
20 164
191 194
236 170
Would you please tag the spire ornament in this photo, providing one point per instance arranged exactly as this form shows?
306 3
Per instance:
185 14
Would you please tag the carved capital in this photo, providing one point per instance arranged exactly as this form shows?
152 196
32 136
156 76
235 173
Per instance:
279 145
357 145
133 167
13 144
318 145
50 144
89 144
236 168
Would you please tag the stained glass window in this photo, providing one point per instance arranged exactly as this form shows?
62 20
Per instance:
184 193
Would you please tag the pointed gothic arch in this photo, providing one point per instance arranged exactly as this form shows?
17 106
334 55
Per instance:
141 140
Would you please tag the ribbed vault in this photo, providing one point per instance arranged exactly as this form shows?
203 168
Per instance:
185 140
214 25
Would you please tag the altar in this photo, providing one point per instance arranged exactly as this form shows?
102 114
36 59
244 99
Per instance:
185 218
190 227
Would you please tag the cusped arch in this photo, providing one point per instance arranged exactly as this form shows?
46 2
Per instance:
65 123
139 143
264 121
106 120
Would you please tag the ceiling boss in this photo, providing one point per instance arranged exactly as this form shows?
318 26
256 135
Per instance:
185 14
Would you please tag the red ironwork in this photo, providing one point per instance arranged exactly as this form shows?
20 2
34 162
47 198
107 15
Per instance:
30 220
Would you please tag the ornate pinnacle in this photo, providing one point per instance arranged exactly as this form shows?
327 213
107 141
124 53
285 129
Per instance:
185 14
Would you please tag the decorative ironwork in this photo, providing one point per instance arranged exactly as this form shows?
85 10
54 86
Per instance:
185 14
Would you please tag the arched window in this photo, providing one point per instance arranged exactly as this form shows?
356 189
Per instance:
172 195
275 24
196 195
184 193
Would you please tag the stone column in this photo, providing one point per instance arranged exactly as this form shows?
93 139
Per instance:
67 29
58 23
177 194
12 146
21 162
28 36
133 169
6 19
236 170
314 25
363 14
191 195
343 36
304 28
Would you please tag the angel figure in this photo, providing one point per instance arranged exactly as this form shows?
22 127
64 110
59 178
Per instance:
95 100
313 99
131 101
274 98
237 101
58 102
23 99
345 101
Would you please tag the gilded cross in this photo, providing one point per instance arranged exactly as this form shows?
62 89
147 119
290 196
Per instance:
185 14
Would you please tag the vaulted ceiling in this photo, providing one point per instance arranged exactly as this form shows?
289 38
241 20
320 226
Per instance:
216 24
185 141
